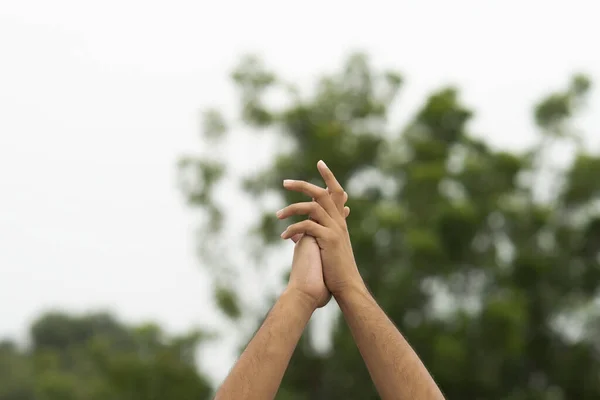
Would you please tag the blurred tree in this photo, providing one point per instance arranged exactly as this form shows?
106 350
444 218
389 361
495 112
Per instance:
490 271
16 375
95 357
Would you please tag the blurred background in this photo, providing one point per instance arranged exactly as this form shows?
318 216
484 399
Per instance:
142 149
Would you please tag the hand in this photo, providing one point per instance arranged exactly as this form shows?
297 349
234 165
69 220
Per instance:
328 226
307 270
306 277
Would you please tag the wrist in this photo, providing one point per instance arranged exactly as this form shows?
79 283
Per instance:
354 288
301 300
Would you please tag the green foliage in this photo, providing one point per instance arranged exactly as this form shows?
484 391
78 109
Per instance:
213 124
583 183
16 374
227 302
555 110
95 357
492 286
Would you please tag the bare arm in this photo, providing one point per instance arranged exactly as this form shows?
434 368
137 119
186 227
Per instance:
395 368
258 372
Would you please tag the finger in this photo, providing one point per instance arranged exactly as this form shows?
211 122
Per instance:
319 194
332 183
346 210
307 227
296 238
338 200
310 208
342 204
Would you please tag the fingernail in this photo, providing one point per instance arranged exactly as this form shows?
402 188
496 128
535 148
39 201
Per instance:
283 234
278 213
322 163
287 182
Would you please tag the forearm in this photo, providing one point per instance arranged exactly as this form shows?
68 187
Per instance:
259 370
395 368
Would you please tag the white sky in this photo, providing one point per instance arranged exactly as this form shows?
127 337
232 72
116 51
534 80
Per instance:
98 99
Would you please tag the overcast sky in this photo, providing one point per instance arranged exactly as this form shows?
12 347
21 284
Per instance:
98 99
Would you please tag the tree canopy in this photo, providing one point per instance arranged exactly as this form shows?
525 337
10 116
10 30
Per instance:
95 356
490 271
487 260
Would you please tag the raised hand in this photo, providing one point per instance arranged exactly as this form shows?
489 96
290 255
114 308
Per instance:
306 277
339 202
272 346
327 224
307 269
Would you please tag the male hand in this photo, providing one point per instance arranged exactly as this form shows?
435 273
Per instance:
327 224
307 268
306 277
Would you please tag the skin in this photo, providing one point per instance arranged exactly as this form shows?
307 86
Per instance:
395 368
259 371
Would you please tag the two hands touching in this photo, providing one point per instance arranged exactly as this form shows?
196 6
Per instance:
323 261
324 265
